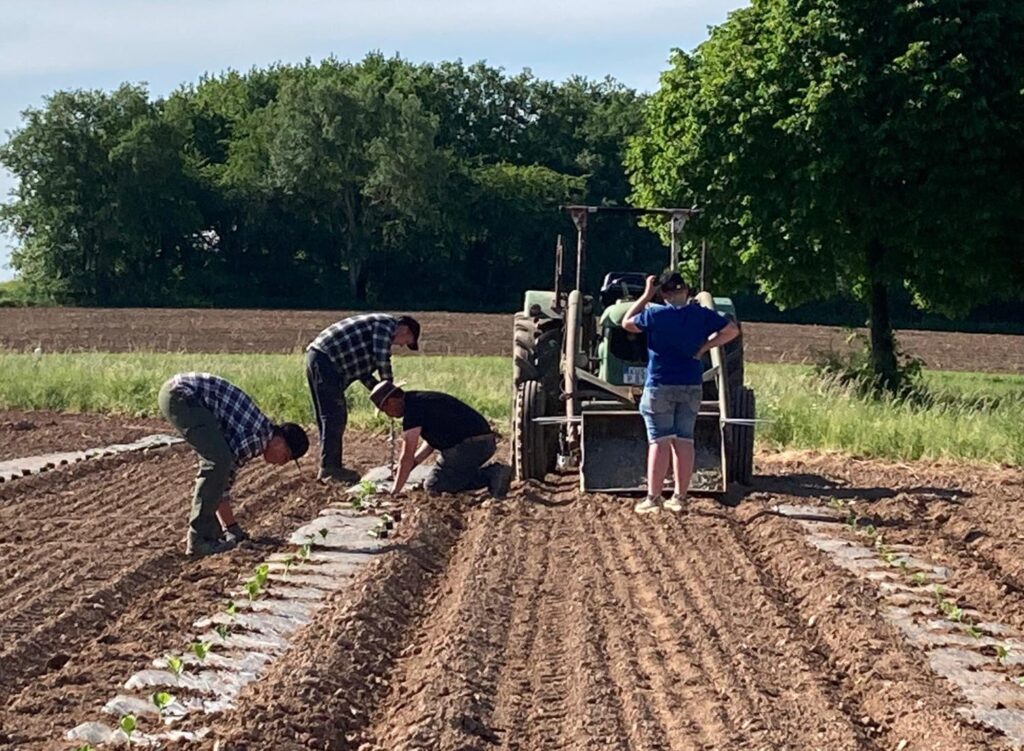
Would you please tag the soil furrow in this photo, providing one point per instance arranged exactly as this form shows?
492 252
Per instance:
901 699
445 690
791 697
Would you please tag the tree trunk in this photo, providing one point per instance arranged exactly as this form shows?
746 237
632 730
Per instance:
883 344
358 278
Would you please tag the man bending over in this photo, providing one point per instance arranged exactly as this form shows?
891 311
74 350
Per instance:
226 429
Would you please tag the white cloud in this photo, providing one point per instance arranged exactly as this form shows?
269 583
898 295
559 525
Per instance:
52 36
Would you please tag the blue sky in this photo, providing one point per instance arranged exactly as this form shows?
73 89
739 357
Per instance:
47 45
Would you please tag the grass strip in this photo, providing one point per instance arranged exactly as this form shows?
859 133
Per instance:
974 416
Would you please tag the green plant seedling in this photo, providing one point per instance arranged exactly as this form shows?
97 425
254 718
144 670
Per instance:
128 725
175 664
222 631
973 632
161 700
870 530
937 591
1002 652
262 572
918 579
232 608
951 611
200 649
305 550
252 589
834 502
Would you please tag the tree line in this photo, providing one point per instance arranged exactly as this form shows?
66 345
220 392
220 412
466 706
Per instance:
332 184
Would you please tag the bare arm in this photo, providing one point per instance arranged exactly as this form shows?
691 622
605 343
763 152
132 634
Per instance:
422 453
406 459
628 323
724 336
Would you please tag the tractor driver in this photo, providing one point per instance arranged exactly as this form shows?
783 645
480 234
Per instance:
459 432
678 336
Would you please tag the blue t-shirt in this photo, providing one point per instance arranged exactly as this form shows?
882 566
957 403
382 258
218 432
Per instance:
673 337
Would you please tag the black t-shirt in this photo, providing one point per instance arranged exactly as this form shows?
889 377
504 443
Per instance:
443 419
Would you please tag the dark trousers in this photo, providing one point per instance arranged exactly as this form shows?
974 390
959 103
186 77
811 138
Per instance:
328 391
462 466
199 427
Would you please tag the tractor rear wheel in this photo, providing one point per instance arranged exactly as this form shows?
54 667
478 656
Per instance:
531 455
741 449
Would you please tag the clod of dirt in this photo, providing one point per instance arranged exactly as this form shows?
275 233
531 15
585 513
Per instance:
57 661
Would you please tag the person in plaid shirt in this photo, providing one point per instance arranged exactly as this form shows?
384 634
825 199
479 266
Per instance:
226 429
350 350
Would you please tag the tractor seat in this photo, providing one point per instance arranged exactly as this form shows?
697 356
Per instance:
619 284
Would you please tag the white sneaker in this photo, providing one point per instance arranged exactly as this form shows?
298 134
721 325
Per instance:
648 506
673 504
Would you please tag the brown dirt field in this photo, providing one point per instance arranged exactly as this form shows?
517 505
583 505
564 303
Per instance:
548 621
35 432
203 330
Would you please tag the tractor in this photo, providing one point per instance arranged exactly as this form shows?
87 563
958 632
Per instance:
578 378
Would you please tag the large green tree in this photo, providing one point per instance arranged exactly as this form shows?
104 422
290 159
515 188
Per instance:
851 147
105 204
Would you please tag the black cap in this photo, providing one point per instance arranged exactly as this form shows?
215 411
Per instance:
414 326
295 437
670 281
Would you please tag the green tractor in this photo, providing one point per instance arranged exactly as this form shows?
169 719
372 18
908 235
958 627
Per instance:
578 377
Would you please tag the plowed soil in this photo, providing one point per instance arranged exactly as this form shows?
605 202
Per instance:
39 432
547 621
201 330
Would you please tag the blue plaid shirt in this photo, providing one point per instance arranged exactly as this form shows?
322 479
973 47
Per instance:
246 429
359 345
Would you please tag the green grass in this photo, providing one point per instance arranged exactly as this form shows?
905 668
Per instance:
128 383
973 416
968 416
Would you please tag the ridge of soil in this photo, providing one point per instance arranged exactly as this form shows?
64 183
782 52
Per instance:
32 432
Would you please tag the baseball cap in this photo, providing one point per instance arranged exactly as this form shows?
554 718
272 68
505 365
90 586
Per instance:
670 281
414 326
384 391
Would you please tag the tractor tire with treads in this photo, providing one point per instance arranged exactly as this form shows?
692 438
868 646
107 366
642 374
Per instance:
532 457
741 447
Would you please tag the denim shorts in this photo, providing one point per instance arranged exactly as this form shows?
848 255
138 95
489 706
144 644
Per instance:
670 411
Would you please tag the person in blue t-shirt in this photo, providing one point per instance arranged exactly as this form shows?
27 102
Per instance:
678 336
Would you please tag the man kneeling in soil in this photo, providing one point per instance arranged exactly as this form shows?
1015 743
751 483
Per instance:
226 429
459 432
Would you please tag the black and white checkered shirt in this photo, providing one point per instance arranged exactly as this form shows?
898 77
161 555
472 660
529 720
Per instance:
359 345
246 429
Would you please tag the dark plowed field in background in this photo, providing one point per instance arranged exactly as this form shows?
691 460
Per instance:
548 621
195 330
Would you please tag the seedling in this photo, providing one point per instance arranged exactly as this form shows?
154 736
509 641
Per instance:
162 699
252 589
937 590
128 725
870 530
262 572
834 502
222 631
973 632
1002 652
232 608
918 579
951 611
200 649
175 664
305 550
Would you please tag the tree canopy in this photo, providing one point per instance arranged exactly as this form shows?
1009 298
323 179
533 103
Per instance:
331 183
850 147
